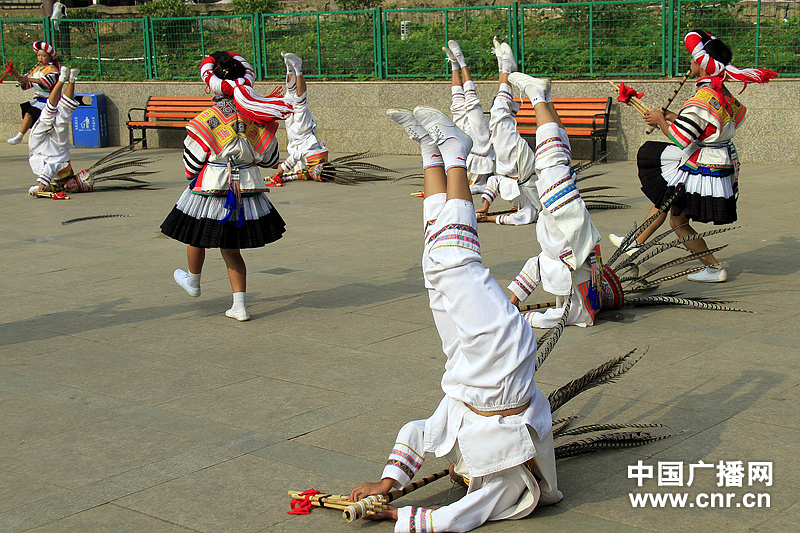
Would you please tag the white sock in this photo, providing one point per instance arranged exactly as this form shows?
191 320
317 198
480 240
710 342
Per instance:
63 77
238 302
453 153
431 156
194 279
18 137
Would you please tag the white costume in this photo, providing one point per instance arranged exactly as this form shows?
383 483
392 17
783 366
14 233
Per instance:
468 116
48 145
565 230
301 134
507 169
491 354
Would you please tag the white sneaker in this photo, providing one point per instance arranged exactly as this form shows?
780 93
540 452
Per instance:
536 89
451 57
182 279
440 127
64 75
16 139
406 119
709 275
73 74
505 57
241 316
457 53
616 240
293 61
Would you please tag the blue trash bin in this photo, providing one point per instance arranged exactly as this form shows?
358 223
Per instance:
90 122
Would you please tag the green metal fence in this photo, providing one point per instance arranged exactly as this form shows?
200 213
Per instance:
16 36
413 39
581 39
594 38
332 44
178 45
105 48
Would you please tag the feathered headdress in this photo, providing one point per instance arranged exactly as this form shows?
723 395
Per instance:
250 104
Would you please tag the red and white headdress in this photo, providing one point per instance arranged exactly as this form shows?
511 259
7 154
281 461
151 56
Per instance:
249 103
41 45
694 44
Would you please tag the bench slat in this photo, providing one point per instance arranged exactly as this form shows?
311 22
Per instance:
582 117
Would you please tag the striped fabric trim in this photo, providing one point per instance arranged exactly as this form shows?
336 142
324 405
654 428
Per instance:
489 194
583 289
525 282
553 144
49 80
427 230
273 159
436 161
684 130
568 259
405 458
460 235
191 163
560 194
739 112
505 95
421 520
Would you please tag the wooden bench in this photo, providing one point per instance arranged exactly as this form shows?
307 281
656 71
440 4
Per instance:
166 112
582 118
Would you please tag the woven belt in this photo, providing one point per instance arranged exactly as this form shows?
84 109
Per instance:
504 412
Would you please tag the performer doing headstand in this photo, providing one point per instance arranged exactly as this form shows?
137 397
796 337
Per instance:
306 151
493 423
48 145
701 164
505 181
468 116
569 262
225 206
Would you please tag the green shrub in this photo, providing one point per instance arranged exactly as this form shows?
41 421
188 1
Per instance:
165 8
248 7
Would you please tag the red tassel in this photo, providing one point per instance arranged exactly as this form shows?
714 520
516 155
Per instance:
626 93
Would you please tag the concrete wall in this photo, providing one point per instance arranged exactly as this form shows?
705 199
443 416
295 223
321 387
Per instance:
351 115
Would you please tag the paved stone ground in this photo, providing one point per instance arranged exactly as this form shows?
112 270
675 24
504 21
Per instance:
125 405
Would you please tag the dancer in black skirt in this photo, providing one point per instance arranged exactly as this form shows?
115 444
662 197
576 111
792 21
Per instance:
700 163
225 206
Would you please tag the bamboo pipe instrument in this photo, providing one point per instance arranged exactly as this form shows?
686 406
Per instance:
360 508
671 98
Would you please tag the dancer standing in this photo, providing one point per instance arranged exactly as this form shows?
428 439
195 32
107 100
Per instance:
43 77
225 206
493 424
700 164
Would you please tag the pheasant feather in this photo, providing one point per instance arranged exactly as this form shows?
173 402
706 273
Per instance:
605 373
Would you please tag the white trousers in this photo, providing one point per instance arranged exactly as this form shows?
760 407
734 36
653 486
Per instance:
301 134
468 116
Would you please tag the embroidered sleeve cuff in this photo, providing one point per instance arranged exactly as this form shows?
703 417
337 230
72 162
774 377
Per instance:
44 179
519 288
